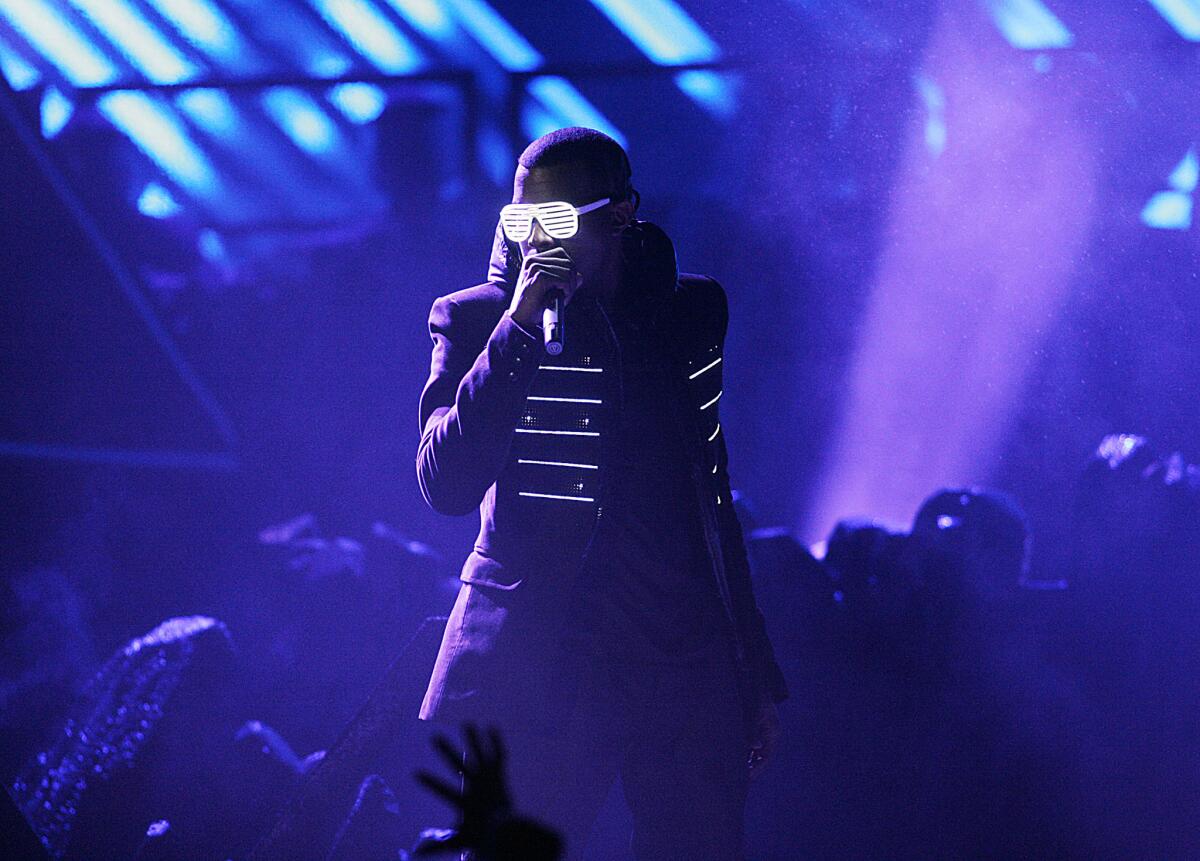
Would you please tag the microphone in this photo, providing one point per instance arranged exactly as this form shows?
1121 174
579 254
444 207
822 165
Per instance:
552 324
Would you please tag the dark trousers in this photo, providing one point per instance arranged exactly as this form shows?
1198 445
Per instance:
675 735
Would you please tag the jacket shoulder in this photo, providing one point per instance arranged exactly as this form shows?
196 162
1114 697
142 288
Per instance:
703 302
481 295
469 308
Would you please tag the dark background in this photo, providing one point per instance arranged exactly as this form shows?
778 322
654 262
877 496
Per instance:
932 238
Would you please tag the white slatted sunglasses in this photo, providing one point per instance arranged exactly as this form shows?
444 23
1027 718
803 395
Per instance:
559 219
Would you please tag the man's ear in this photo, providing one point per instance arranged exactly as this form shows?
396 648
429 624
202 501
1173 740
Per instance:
622 215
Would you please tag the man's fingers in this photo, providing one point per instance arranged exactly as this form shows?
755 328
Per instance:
557 273
556 262
555 253
440 787
473 744
498 751
449 752
546 282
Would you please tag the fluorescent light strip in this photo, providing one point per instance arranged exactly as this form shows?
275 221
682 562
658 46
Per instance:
19 74
1029 25
157 132
714 400
1168 210
713 90
360 103
558 463
224 123
1186 173
371 34
559 433
507 47
661 30
714 433
301 119
1183 15
710 365
665 34
427 16
203 25
56 111
569 368
570 107
48 31
556 496
138 40
563 104
565 400
156 202
213 111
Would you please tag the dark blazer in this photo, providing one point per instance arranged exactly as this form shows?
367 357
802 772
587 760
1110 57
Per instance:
519 435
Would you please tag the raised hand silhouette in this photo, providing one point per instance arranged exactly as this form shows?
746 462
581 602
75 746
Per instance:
487 824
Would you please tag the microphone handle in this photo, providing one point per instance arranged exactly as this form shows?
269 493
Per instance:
552 324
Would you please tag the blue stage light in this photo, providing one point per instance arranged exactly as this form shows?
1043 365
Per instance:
205 26
19 74
56 39
561 104
1168 210
571 107
157 132
507 47
371 34
1029 25
1183 15
1184 177
713 90
495 154
301 119
211 110
326 64
662 30
56 110
211 246
425 16
138 40
360 103
668 37
295 38
935 120
156 202
535 122
278 167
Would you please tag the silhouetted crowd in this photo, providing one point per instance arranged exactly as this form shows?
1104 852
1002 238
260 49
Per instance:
949 699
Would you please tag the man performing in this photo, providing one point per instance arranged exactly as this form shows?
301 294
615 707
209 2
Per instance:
605 622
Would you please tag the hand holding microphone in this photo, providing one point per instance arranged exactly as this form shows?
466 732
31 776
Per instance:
552 323
545 285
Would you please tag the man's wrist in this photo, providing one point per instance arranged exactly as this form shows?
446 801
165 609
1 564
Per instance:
530 329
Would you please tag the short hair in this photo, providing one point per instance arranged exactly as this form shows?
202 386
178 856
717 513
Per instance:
606 159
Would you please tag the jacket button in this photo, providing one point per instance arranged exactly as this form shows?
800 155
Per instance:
512 375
